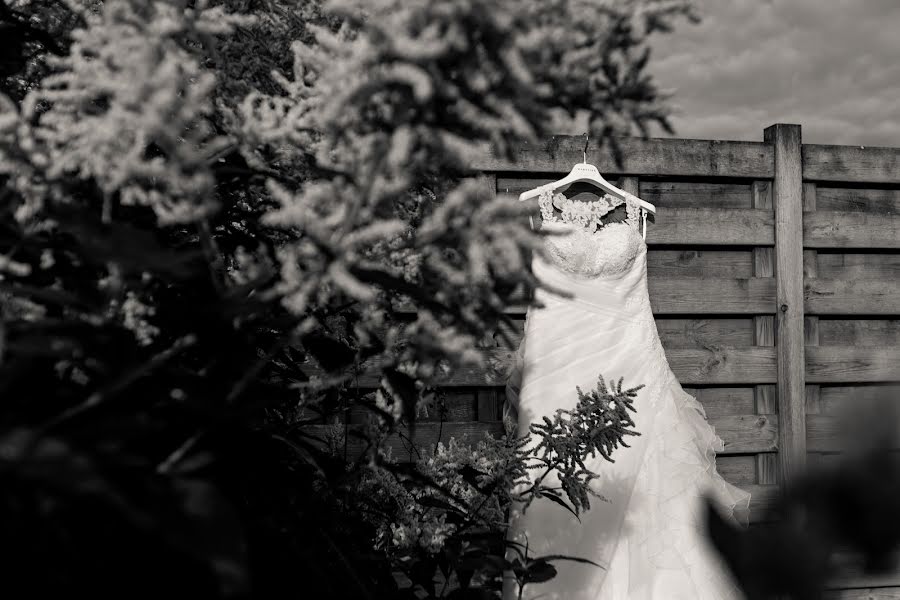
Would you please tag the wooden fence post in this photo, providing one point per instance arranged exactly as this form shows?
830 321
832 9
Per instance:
789 312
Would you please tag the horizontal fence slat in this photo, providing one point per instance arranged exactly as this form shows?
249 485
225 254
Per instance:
724 365
853 265
844 229
705 262
851 297
710 226
846 364
742 434
824 434
857 199
722 401
656 156
834 398
871 164
712 295
660 157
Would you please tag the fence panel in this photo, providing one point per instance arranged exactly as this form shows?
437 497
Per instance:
774 276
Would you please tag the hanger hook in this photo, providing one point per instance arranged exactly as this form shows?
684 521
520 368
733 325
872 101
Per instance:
584 153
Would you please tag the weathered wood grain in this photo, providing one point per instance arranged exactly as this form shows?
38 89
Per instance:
722 401
836 331
717 365
657 156
857 364
857 199
870 164
858 265
710 226
680 332
833 229
852 297
702 295
716 194
787 197
700 262
747 433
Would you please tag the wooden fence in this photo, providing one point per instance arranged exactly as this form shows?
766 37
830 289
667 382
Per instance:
773 275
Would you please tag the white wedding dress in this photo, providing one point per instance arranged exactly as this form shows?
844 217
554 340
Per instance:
648 531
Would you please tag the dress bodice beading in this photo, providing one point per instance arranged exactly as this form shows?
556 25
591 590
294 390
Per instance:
602 270
593 254
581 249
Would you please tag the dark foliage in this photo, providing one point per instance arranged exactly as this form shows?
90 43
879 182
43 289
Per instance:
848 509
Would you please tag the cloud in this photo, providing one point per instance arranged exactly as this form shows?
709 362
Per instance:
833 67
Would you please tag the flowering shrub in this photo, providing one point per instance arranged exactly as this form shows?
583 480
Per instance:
214 212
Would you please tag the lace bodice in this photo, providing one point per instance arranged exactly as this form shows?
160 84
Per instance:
583 249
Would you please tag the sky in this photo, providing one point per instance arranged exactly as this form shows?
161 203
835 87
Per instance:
832 66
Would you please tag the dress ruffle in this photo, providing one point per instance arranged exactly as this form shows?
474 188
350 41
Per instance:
667 554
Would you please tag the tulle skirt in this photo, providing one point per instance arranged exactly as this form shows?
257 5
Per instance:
661 550
648 532
664 552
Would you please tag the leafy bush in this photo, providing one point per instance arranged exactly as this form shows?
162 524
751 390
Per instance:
216 217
